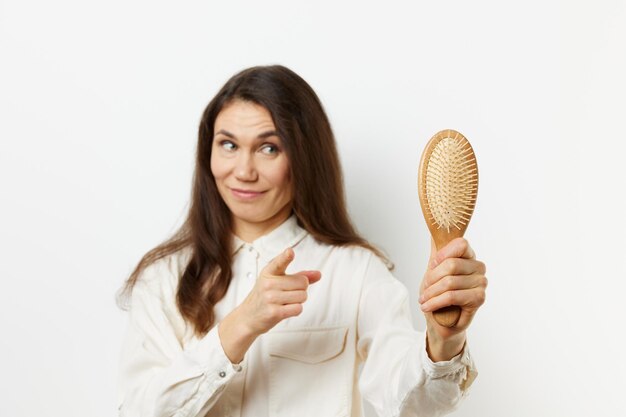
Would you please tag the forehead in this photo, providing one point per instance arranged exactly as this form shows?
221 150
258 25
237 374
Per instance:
244 115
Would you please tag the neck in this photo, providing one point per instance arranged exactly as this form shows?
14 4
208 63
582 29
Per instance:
251 231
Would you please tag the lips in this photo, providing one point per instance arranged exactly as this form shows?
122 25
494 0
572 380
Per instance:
246 194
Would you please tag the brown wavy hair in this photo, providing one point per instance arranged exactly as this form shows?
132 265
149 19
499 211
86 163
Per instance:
318 201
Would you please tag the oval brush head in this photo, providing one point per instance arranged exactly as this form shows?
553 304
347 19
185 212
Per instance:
447 186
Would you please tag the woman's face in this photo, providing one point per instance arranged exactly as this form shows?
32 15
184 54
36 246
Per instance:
251 169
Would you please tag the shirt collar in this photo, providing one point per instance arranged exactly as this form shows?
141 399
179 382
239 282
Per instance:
288 234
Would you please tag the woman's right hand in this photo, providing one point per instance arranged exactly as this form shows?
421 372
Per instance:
274 297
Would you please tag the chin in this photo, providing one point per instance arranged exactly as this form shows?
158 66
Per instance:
250 216
255 215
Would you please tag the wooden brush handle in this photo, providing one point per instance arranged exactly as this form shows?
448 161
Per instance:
447 316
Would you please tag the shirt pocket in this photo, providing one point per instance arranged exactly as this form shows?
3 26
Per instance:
310 372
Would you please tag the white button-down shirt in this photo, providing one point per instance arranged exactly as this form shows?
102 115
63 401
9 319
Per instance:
354 340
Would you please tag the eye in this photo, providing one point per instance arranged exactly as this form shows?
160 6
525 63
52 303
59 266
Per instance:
228 145
269 149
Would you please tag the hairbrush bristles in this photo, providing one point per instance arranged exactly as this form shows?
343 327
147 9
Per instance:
448 186
451 183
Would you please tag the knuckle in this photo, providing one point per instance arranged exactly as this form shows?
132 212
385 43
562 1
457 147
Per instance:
451 297
298 309
274 313
449 282
265 285
269 297
303 282
485 282
482 267
451 265
481 297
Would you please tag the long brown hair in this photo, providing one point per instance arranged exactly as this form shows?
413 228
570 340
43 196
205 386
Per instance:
318 204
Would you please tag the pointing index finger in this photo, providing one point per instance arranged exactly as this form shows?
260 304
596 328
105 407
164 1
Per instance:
278 265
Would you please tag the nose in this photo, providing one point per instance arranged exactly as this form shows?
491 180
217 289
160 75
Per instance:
244 168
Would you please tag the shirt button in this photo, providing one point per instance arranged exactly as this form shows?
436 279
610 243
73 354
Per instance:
250 249
222 374
249 275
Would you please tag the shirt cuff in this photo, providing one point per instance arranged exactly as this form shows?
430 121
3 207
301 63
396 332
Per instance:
210 355
460 368
203 359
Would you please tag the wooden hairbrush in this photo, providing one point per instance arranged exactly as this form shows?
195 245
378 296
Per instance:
448 185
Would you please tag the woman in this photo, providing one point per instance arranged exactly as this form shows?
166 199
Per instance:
267 302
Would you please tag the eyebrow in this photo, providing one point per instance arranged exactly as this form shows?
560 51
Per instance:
263 135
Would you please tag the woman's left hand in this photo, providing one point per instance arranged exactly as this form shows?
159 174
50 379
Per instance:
454 277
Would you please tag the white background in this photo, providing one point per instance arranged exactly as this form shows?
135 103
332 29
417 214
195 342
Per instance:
99 107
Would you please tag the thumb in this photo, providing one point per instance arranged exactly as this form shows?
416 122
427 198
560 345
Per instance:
312 276
456 248
279 264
